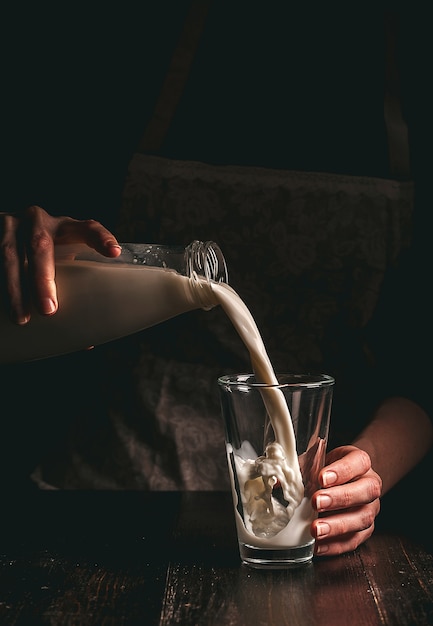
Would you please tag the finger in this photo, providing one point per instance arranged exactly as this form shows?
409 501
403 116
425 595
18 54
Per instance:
90 232
42 277
38 225
343 523
362 491
342 545
346 521
36 233
12 263
353 464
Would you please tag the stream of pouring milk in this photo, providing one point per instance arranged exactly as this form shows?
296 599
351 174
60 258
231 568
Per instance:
266 521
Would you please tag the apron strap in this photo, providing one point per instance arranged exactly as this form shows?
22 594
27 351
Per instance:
396 127
175 80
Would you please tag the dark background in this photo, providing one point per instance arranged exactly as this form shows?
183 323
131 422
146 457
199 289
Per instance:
282 87
276 86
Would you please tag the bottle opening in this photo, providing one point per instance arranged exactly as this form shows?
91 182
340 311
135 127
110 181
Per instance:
206 259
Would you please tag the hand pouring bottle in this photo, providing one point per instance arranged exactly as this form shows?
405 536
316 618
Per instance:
102 299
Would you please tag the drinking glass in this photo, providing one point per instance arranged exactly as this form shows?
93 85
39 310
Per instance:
276 438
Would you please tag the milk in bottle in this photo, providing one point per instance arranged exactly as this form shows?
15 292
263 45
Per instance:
101 299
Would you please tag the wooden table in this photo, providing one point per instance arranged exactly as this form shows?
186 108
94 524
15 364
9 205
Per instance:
129 558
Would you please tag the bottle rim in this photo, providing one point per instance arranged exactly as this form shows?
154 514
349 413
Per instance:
206 259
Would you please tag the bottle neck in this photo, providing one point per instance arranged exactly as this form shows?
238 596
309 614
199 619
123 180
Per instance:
198 260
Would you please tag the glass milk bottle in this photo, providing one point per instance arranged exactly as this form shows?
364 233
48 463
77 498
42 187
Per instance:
101 299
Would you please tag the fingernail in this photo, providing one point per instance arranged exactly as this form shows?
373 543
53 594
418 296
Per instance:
322 529
21 318
319 549
329 478
323 502
47 306
113 247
